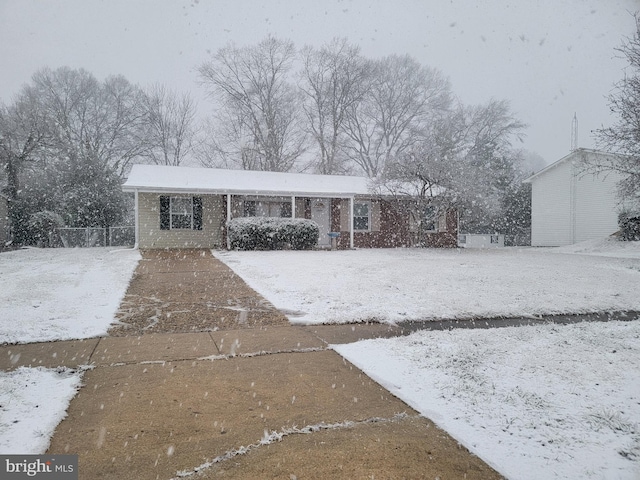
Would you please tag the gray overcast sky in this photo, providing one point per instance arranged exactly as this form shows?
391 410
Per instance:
549 58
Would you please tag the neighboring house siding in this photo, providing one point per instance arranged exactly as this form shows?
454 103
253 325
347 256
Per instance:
551 207
388 227
447 234
596 206
4 220
151 236
569 206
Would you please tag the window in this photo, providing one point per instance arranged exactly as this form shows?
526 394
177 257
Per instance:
249 208
180 213
362 216
266 208
285 209
442 223
429 219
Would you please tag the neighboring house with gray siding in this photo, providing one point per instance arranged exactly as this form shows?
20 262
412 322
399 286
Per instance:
570 204
185 207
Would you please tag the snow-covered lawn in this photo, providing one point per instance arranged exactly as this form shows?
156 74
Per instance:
552 402
61 294
52 294
32 403
426 284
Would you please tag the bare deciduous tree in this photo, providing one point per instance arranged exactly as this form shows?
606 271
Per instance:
623 137
464 159
401 99
23 131
89 119
333 79
168 125
259 107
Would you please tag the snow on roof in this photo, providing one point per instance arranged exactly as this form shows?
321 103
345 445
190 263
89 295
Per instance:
406 188
159 178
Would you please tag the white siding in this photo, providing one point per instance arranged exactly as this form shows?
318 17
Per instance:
596 213
568 206
551 207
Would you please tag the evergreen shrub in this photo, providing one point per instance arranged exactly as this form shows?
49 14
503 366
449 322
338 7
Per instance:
272 233
629 226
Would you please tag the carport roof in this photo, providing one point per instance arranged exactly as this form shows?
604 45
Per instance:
168 179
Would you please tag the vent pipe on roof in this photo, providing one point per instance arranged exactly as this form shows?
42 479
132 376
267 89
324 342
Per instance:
574 133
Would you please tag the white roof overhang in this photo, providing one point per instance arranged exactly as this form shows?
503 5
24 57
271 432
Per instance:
189 180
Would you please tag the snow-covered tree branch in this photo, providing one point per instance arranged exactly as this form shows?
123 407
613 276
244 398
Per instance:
623 137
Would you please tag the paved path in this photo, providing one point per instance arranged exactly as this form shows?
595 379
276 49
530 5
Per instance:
264 402
189 291
251 403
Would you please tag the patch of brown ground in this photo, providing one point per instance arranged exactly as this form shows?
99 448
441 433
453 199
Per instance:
179 291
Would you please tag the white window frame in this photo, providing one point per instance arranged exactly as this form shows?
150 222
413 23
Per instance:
369 211
172 212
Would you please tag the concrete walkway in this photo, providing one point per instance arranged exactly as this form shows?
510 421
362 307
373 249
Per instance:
250 403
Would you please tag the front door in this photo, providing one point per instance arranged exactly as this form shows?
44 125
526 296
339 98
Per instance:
321 214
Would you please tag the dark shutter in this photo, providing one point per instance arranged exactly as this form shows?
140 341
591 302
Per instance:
165 213
197 213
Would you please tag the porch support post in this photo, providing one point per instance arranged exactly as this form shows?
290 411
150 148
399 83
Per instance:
293 206
228 218
351 202
137 219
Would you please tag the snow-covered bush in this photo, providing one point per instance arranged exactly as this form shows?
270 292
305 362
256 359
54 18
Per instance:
629 226
272 233
43 227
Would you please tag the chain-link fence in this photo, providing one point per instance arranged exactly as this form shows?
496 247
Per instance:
122 236
97 237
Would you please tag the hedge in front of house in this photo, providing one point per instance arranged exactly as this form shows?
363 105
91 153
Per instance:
272 233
